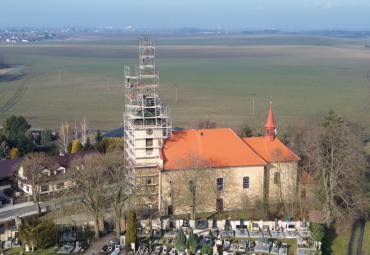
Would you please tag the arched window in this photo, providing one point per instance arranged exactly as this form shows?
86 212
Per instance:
246 182
268 131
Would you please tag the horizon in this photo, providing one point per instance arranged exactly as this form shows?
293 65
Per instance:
288 15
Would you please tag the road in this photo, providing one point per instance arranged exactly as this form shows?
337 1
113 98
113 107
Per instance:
10 74
25 209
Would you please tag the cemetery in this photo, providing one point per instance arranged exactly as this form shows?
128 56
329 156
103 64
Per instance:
220 237
226 237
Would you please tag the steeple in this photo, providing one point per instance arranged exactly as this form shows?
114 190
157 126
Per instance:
270 127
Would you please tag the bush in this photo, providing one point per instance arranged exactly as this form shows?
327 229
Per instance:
9 192
317 230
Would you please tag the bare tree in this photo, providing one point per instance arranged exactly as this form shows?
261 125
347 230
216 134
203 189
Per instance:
204 124
89 176
119 191
338 164
84 126
65 135
75 131
34 167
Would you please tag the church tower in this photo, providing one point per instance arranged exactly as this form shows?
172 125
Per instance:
270 127
147 121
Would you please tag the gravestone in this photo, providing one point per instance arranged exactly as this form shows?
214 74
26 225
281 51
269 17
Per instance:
185 224
123 240
241 223
214 223
304 224
227 225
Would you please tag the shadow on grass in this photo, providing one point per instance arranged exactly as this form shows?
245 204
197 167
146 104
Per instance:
327 241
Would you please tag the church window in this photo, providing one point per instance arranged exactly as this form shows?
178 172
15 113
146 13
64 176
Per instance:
246 182
220 184
277 178
268 131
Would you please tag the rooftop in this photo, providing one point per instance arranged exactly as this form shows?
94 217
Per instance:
270 151
219 147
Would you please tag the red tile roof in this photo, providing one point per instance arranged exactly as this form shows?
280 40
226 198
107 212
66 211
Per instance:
270 151
306 178
220 147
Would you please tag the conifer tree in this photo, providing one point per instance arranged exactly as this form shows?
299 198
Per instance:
180 240
88 146
191 243
206 250
77 146
131 234
69 147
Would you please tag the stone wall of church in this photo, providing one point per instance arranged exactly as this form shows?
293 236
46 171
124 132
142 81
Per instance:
216 188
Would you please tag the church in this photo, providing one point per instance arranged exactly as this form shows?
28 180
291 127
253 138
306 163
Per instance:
203 170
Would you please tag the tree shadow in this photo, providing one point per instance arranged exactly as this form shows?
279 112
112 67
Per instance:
327 242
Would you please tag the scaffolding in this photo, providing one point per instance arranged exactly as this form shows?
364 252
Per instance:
147 120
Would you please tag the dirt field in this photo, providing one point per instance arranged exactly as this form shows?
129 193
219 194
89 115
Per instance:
305 76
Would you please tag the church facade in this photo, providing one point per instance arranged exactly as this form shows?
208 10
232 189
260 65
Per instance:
184 171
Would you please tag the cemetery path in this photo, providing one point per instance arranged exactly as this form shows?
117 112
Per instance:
97 244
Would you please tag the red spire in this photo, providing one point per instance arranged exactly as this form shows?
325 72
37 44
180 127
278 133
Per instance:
270 127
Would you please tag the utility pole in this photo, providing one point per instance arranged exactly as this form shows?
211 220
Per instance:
176 91
253 95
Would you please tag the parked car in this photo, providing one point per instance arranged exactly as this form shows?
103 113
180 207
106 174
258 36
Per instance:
2 199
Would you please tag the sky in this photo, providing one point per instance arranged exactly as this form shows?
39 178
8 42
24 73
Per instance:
292 15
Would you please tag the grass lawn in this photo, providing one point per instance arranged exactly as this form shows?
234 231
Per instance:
366 240
306 75
18 250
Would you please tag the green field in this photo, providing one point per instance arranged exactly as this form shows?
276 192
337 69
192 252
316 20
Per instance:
305 75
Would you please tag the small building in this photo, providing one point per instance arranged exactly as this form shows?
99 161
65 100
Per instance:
55 180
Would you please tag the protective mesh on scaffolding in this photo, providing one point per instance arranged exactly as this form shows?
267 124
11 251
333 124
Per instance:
147 120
